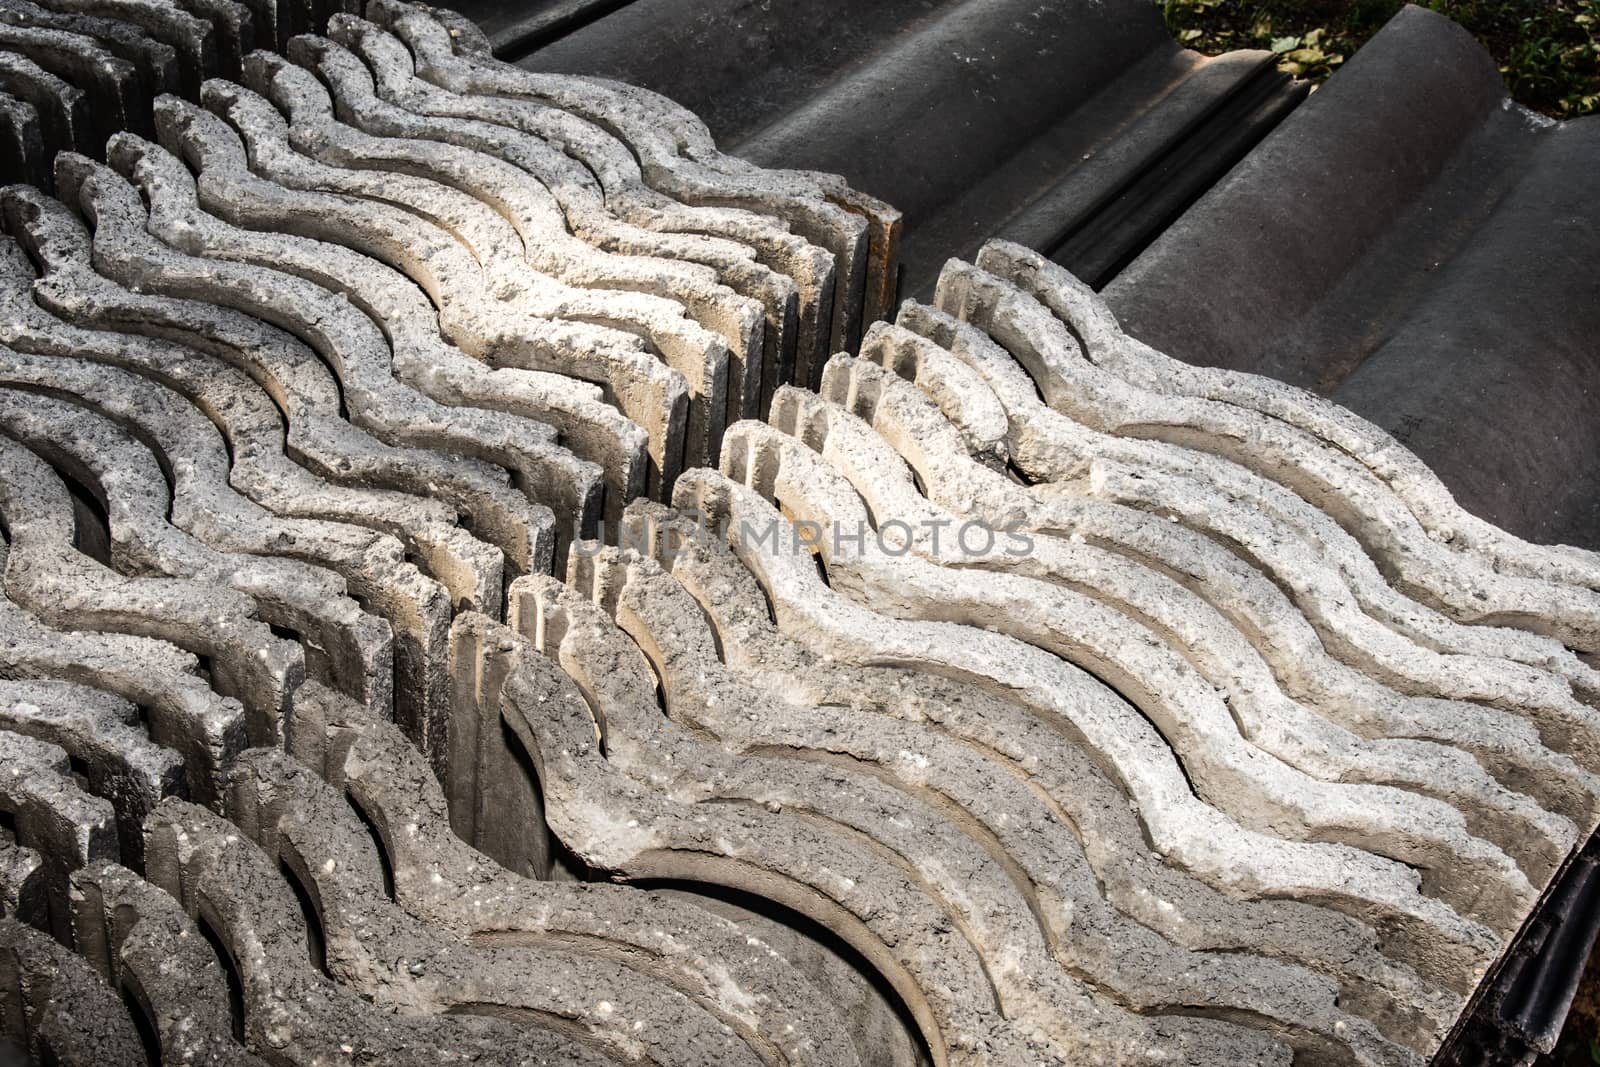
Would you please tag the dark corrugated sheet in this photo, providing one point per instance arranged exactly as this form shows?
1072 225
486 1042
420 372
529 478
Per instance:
1413 245
1077 126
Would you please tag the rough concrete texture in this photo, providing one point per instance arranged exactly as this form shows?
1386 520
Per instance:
563 228
1011 694
302 372
1181 523
1242 606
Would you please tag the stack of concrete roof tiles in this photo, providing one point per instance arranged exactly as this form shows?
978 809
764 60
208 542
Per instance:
484 581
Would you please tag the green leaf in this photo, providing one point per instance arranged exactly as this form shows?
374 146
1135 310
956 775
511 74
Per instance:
1285 44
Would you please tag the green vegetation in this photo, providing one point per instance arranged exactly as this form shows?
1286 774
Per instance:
1548 50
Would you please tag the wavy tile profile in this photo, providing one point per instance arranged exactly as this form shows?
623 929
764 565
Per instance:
560 225
1044 671
464 602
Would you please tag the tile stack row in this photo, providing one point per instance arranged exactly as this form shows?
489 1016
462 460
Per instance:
1003 693
297 369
